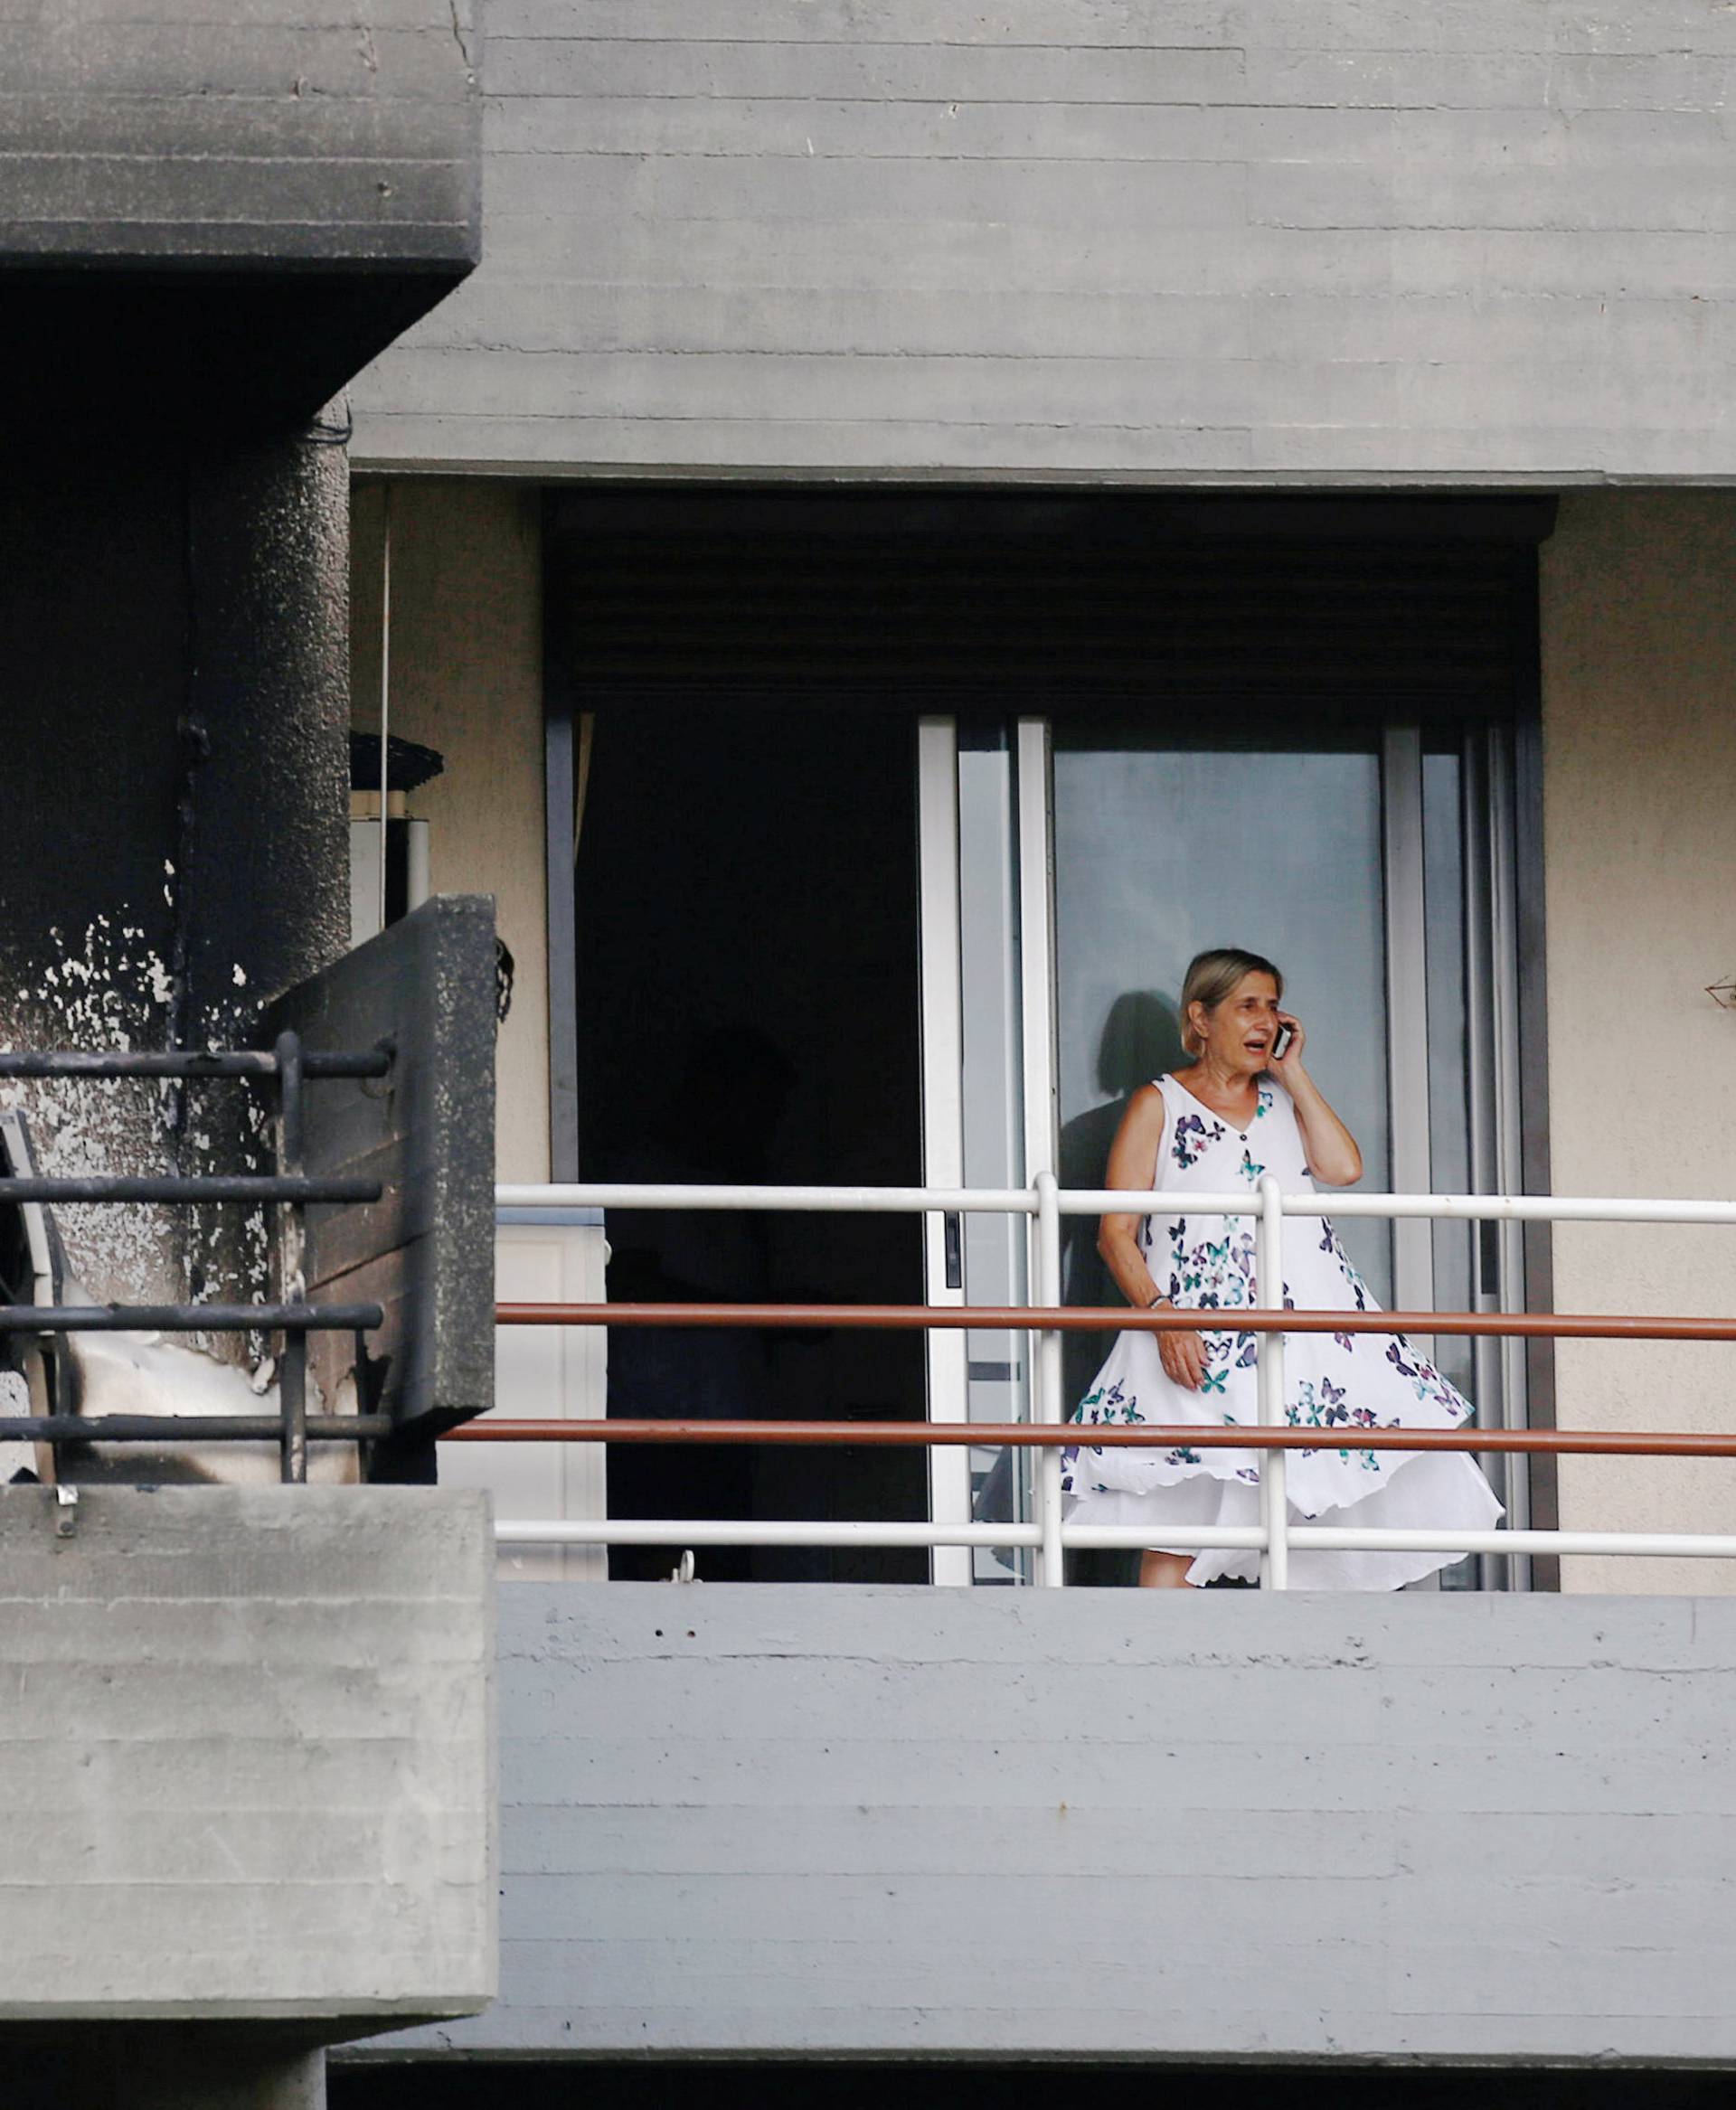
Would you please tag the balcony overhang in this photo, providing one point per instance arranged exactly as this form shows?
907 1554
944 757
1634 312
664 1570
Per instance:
220 225
197 351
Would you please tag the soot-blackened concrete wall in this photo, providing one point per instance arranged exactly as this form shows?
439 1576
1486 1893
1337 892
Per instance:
174 848
162 163
264 129
921 1821
1219 239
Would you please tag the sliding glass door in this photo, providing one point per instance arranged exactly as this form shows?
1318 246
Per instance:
1071 870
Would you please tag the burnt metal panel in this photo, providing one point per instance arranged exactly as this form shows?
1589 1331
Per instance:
424 1252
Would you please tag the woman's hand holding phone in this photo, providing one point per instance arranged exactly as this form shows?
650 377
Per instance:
1286 1045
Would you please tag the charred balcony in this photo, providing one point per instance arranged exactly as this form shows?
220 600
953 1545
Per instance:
223 224
363 1321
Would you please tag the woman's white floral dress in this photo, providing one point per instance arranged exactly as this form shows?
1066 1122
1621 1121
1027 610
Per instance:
1334 1382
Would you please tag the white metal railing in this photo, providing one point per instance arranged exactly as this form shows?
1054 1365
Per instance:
1045 1204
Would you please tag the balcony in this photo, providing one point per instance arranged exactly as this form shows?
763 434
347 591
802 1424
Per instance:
250 1725
580 1418
223 220
911 1823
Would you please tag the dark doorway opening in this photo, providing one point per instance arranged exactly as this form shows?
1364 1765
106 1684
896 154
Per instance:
746 999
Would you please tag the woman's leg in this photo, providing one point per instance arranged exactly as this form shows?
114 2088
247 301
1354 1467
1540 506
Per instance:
1163 1571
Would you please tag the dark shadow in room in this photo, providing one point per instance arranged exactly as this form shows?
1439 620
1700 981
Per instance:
747 1011
716 1128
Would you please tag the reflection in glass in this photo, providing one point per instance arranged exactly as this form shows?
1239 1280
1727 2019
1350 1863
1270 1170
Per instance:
1160 853
1449 1131
1449 1134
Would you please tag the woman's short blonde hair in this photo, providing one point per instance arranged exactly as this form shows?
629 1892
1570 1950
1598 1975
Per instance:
1212 977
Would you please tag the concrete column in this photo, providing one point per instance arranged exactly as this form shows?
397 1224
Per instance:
175 768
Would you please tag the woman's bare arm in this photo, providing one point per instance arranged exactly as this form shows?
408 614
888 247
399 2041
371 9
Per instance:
1332 1156
1133 1160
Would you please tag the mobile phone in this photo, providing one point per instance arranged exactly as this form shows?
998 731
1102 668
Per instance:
1281 1042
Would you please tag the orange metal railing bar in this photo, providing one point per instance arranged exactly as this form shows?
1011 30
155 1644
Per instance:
1027 1436
1096 1436
1083 1319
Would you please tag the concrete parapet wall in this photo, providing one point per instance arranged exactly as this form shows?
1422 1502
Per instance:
1219 240
922 1821
246 1747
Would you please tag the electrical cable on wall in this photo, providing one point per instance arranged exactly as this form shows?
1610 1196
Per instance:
195 747
323 433
385 681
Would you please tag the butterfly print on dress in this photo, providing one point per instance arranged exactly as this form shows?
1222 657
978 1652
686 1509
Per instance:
1339 1385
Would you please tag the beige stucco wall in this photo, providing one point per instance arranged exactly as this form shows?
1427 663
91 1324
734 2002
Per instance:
466 660
1639 745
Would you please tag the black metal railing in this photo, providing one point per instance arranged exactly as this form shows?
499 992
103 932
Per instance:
290 1069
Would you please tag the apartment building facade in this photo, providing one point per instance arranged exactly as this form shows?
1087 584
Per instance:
930 514
922 516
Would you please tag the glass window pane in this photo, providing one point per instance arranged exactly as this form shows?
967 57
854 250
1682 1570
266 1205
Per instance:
1449 1137
994 1247
1449 1131
1160 853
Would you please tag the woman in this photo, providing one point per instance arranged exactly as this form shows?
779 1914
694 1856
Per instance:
1246 1108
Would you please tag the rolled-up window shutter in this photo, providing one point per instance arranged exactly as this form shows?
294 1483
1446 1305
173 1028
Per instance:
1054 605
